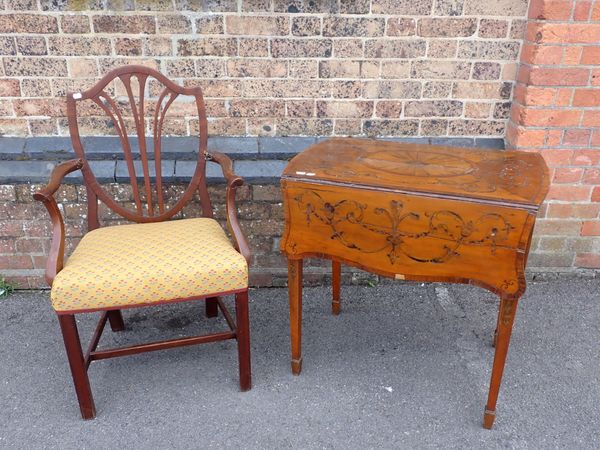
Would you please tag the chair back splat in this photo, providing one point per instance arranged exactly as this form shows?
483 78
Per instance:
135 101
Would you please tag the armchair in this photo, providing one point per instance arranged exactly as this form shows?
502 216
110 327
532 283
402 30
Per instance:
156 259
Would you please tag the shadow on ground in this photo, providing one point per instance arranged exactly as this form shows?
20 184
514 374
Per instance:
403 366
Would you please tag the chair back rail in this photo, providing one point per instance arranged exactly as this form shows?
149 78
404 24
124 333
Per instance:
139 102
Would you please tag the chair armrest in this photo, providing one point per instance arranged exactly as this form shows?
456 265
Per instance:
233 182
226 166
54 263
56 177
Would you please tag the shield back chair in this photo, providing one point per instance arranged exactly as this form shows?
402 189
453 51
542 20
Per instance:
156 259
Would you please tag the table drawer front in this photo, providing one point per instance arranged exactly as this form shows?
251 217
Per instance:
400 233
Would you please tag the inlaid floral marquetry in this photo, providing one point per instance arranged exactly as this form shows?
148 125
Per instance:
402 232
497 176
414 212
397 233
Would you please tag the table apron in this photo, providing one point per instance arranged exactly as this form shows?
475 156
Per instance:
409 237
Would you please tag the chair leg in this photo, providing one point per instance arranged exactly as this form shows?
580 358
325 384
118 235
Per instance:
243 339
212 307
336 275
70 334
115 319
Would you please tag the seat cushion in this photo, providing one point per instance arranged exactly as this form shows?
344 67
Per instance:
128 265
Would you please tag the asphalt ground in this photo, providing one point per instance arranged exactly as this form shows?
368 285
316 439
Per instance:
405 365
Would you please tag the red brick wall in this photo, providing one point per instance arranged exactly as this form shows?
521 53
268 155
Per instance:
556 111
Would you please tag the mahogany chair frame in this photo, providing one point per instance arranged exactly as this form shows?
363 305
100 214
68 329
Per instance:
238 328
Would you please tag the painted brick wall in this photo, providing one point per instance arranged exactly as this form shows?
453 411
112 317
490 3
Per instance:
556 112
274 67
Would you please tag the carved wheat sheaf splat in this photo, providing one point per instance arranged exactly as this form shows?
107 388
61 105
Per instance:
402 231
137 112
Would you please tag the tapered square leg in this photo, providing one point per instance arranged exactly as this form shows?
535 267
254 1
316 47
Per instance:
495 336
506 317
295 293
243 339
115 318
70 334
212 307
336 278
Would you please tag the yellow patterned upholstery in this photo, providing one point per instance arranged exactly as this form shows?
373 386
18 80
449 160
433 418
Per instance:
148 263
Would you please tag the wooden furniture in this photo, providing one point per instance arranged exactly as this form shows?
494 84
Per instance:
155 260
414 212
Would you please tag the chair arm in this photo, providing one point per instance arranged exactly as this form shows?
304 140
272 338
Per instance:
54 263
233 182
56 177
227 166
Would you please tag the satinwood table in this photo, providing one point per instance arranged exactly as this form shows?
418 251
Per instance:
414 212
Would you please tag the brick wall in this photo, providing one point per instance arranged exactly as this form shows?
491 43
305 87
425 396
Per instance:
26 230
436 69
274 67
25 226
556 111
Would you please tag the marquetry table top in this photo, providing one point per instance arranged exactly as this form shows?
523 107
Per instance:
503 177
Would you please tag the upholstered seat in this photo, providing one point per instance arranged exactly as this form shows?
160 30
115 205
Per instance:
116 267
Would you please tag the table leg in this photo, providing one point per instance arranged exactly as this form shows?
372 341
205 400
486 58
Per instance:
508 308
336 275
295 293
495 336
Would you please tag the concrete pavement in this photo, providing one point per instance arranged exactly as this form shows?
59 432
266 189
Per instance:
405 365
